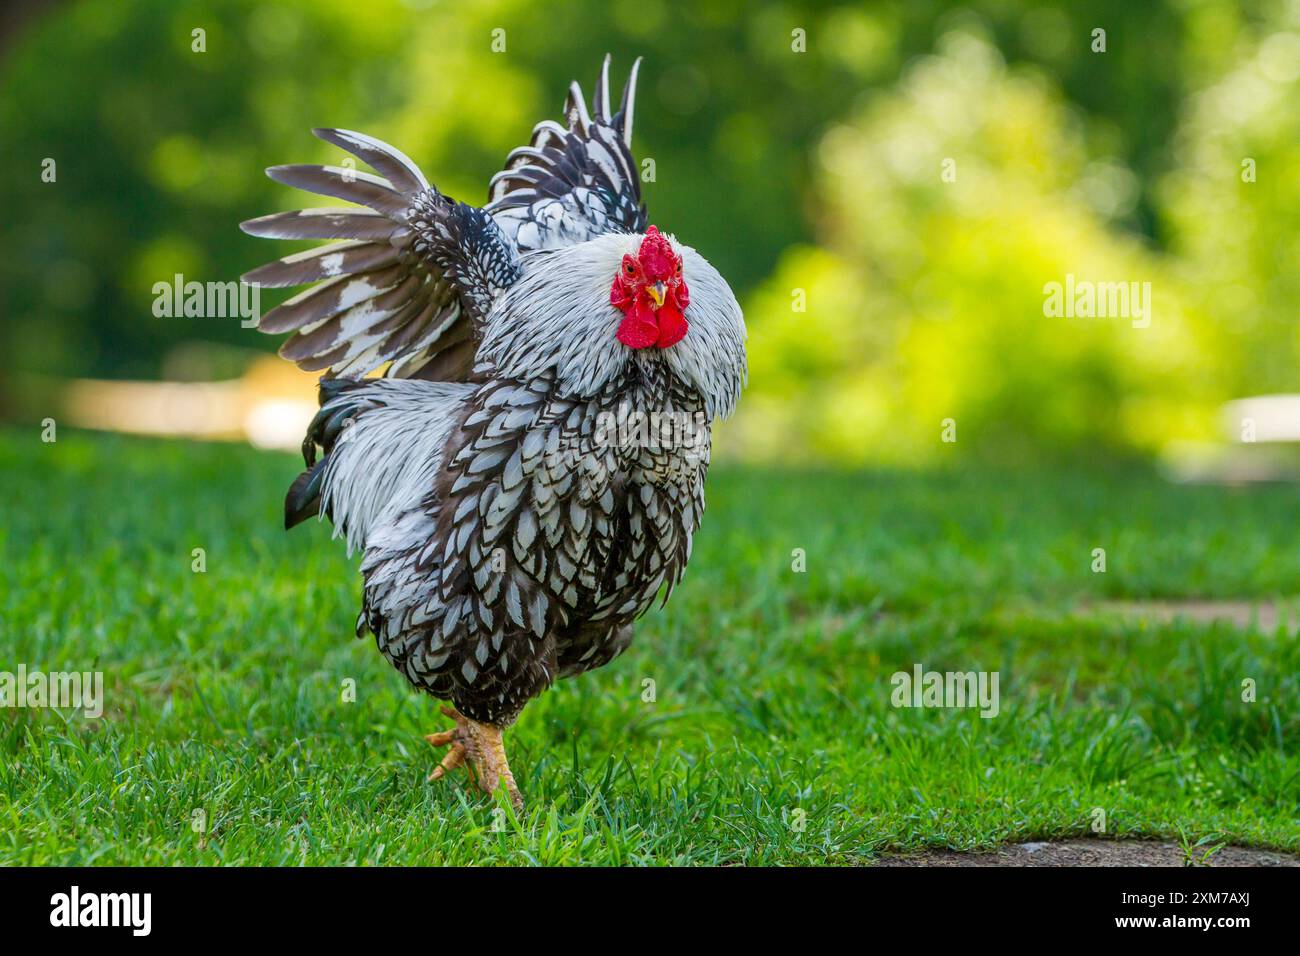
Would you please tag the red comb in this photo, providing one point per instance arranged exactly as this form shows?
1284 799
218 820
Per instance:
656 255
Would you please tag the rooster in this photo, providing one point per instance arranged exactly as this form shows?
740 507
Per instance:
526 476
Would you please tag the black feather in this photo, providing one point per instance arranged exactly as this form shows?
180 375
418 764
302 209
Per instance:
600 99
325 262
623 118
387 160
348 184
303 500
333 222
327 298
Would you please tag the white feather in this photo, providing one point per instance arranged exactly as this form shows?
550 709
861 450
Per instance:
386 462
558 316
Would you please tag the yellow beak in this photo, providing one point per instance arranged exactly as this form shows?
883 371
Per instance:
657 293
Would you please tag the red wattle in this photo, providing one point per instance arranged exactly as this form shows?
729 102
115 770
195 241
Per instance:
672 325
638 329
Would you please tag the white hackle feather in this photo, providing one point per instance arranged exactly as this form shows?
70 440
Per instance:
558 315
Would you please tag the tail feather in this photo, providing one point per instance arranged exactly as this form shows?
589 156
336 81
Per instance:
303 500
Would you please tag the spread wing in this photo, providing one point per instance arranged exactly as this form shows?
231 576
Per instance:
570 185
380 296
414 272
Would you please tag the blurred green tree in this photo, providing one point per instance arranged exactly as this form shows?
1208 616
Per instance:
949 205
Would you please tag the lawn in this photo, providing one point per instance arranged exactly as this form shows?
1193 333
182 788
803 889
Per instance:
228 738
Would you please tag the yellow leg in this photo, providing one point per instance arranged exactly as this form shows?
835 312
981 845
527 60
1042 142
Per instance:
480 747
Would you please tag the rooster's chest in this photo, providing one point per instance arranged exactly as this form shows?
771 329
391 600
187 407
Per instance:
643 471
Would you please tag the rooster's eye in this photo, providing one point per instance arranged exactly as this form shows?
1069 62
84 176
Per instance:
631 269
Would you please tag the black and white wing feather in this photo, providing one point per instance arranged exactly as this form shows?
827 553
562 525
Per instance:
413 274
570 185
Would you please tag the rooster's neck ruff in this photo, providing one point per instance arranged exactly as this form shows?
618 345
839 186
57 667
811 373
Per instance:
557 316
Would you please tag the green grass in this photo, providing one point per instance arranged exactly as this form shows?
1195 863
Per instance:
773 691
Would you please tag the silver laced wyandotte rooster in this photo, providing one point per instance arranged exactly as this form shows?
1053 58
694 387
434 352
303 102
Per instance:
511 479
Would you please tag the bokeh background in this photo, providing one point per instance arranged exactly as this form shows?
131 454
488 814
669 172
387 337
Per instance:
812 176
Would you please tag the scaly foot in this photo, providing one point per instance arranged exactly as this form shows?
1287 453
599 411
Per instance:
481 748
